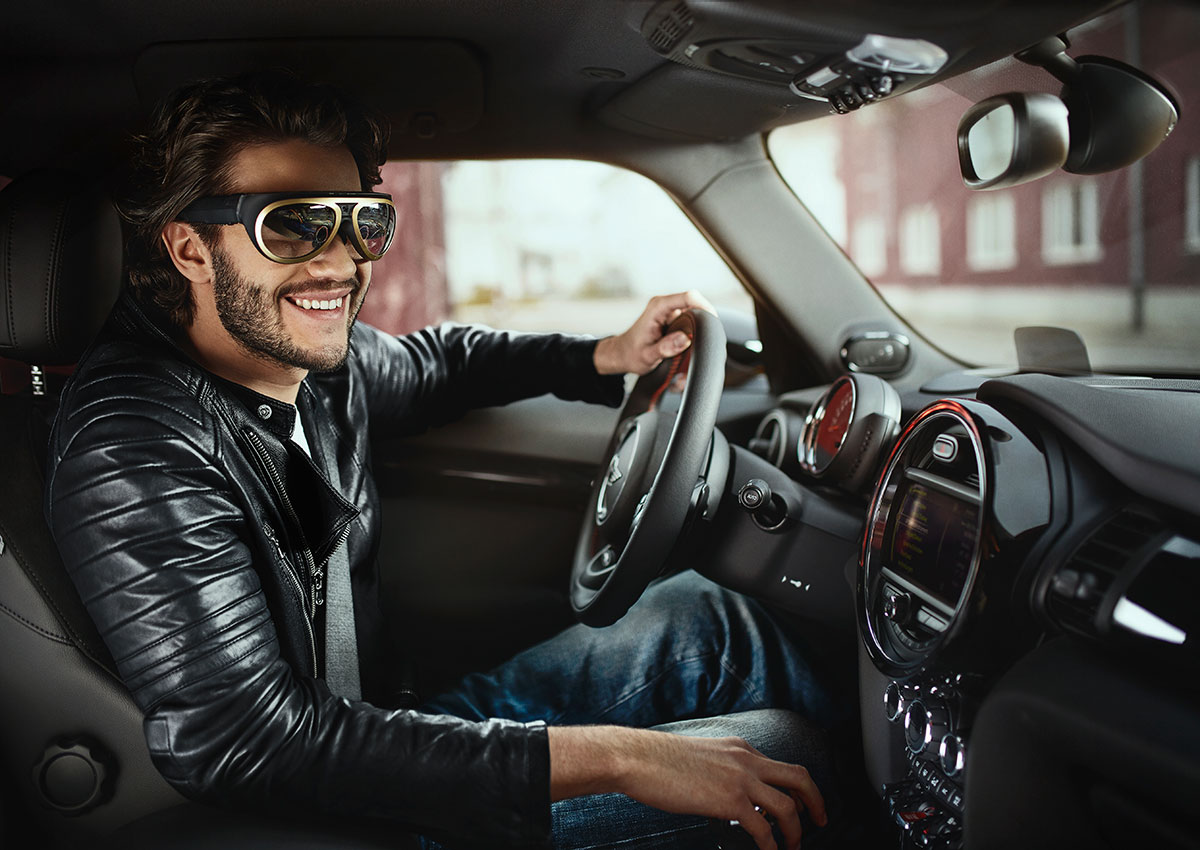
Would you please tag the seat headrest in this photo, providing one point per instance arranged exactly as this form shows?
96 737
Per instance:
60 266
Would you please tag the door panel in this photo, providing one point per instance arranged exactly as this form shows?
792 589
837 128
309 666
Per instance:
480 521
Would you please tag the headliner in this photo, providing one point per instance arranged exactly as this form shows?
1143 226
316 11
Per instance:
456 78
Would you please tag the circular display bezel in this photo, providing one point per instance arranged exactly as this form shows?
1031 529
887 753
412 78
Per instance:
894 648
806 447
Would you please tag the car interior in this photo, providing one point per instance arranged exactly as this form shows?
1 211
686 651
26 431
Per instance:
995 566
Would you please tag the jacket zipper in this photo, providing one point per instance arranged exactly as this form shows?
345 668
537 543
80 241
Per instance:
341 540
316 583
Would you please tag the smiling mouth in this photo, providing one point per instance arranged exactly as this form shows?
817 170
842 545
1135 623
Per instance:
314 304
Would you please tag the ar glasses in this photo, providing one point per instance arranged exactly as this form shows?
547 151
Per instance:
293 227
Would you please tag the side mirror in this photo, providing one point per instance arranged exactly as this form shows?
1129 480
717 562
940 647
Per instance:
1011 139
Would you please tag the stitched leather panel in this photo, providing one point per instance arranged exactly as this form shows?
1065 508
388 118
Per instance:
60 266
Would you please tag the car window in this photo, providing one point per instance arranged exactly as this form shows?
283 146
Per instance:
537 245
1115 257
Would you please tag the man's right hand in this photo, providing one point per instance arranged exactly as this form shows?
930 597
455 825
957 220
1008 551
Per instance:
721 778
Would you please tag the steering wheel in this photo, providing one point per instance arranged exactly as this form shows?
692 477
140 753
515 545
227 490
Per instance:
651 479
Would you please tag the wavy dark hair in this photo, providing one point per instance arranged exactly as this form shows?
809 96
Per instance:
187 151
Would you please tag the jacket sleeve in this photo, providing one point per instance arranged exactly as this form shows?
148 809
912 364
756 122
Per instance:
437 374
153 533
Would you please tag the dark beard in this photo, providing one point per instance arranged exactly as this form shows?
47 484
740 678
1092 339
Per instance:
253 319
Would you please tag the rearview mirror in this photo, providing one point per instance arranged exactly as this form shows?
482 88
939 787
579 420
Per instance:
1108 116
1011 139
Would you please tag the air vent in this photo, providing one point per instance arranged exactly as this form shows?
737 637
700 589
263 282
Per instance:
1079 586
770 440
675 23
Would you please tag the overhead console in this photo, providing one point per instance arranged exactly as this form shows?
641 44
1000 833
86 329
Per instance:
765 63
843 69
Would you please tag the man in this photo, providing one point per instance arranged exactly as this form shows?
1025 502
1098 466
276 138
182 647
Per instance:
210 493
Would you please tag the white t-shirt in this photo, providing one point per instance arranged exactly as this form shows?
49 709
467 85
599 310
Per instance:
299 437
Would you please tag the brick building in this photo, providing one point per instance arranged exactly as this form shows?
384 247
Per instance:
910 221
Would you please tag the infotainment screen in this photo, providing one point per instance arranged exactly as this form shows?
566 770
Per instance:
931 540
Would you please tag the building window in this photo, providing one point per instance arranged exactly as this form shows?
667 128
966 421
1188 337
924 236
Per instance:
991 232
920 240
1071 223
868 245
1191 212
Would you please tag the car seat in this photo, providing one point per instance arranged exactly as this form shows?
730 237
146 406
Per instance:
71 743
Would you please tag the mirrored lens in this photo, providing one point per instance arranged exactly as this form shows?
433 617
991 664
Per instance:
296 230
376 224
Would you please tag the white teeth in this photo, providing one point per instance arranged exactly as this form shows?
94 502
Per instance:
335 304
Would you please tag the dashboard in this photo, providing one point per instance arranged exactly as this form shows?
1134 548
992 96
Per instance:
1024 585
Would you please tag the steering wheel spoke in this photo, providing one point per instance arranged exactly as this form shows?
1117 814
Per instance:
648 485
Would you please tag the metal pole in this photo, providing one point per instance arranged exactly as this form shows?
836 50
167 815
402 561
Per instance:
1137 214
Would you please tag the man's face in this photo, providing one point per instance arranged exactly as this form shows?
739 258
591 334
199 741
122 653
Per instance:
260 303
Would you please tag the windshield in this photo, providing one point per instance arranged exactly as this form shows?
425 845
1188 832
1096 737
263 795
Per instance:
1114 257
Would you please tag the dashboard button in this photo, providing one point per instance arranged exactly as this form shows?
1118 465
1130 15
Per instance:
896 698
945 448
930 620
952 755
897 606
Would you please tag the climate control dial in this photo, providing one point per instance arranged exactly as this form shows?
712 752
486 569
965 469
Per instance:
926 722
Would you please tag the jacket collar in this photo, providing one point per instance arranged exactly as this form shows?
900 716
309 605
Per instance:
274 416
260 412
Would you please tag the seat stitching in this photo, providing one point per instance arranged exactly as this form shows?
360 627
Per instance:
56 244
44 592
63 639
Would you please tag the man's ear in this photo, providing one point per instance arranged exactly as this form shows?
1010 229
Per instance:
188 252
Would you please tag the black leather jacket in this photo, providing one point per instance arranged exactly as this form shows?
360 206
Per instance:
185 522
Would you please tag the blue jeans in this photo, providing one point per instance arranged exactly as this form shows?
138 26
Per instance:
687 649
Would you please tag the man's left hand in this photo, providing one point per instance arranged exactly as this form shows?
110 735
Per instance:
644 346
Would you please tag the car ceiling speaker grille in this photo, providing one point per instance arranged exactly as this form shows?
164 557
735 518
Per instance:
671 29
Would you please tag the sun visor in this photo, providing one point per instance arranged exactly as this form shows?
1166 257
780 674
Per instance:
681 103
429 88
